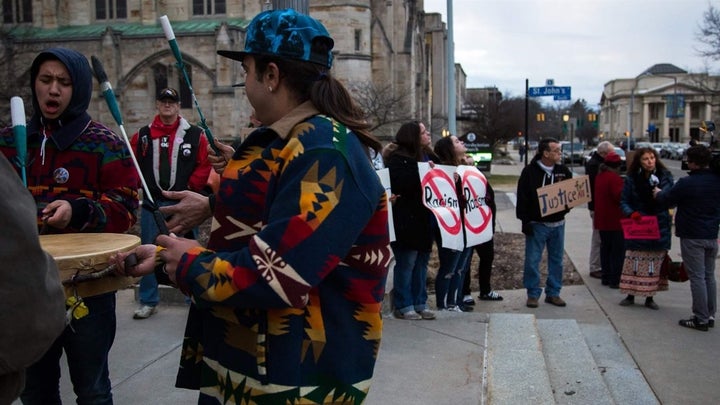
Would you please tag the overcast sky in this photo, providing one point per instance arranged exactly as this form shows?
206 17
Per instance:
579 43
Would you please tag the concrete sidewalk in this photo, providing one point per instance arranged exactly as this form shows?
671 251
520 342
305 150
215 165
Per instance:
443 361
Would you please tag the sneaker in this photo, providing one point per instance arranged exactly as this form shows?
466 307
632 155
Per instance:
627 302
557 301
454 308
693 324
711 322
491 296
532 302
427 314
144 312
408 316
468 300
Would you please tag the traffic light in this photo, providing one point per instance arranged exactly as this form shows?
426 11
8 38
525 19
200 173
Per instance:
540 116
627 133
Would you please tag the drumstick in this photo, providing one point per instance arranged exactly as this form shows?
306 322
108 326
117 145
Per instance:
17 111
109 94
170 36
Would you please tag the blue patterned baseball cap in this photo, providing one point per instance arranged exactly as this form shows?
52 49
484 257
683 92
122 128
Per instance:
286 34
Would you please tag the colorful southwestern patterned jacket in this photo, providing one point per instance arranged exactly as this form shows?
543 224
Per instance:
286 305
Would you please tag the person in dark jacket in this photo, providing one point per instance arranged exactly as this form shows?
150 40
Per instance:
644 257
486 256
592 168
412 222
696 224
542 231
82 178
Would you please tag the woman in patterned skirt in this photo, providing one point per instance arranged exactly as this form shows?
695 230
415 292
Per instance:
644 257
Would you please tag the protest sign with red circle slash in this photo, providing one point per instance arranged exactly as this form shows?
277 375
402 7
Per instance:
440 197
477 214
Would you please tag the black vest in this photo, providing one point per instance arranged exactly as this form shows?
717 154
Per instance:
185 165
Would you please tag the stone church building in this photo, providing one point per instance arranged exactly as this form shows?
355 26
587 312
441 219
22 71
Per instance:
389 53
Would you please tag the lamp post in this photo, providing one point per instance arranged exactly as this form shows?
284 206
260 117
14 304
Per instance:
566 118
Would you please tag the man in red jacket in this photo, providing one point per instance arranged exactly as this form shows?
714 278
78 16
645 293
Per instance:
172 155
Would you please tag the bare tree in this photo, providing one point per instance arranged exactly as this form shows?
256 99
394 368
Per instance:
383 106
709 34
15 79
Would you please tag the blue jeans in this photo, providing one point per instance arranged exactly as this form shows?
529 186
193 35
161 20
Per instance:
699 259
455 291
409 277
148 290
449 260
87 342
554 239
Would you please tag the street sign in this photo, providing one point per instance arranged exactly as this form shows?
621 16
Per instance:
558 93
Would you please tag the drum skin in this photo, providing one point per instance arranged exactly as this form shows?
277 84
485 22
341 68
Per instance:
84 253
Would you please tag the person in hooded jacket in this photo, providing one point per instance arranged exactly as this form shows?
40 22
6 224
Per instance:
82 178
542 231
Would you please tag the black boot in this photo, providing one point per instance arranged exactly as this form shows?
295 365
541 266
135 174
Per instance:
650 303
629 300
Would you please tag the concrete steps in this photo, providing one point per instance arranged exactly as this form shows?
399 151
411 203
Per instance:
557 361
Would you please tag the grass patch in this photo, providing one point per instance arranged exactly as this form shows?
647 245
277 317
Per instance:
503 179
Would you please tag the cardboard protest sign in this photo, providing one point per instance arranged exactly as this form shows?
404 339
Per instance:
646 228
440 197
477 217
564 195
384 175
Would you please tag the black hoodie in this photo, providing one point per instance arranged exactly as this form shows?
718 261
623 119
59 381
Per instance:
533 177
75 118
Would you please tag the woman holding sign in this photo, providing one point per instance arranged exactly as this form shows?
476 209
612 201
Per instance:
413 226
449 278
644 257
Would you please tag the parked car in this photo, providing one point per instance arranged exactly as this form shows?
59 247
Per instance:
624 145
639 145
658 147
618 150
673 150
574 154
